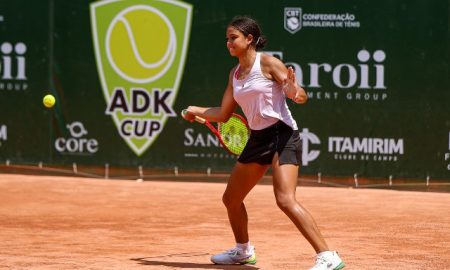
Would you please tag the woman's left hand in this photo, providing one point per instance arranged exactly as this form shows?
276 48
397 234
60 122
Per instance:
292 89
290 85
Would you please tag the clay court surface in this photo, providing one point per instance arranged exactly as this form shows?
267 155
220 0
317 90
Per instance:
49 222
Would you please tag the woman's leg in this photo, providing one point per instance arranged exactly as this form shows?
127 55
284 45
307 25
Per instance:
243 178
285 183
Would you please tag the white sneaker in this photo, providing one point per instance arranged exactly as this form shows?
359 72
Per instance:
235 256
328 260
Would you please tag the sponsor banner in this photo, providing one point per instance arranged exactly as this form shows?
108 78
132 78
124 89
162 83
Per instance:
365 149
13 71
140 76
78 143
13 76
296 18
203 144
360 79
24 77
308 139
357 149
121 72
22 56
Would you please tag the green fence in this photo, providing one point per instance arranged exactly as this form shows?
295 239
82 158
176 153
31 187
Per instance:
377 76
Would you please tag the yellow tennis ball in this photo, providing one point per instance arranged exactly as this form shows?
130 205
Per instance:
49 101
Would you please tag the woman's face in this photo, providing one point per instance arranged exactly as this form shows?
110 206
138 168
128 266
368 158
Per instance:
237 43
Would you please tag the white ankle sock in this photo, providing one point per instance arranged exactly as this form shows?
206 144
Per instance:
244 247
325 253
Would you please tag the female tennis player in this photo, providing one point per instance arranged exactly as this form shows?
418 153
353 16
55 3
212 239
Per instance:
259 84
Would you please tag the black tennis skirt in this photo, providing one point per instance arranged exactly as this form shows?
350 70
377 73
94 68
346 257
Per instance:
277 138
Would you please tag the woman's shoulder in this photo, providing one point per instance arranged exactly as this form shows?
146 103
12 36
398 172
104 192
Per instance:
270 64
269 60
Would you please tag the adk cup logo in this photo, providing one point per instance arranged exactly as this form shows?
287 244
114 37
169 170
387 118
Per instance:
140 48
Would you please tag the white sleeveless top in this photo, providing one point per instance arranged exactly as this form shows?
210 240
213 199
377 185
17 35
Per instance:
262 100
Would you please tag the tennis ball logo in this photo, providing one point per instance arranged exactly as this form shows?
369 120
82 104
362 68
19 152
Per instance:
141 44
293 23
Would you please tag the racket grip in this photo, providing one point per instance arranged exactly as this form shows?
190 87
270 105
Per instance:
200 120
197 118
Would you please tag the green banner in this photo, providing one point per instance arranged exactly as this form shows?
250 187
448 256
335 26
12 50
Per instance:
121 71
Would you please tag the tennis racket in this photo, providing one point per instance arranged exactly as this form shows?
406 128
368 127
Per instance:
233 134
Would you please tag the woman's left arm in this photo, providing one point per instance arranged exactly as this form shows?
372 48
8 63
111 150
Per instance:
274 69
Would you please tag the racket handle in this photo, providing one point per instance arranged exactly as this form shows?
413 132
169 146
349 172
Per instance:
200 120
197 118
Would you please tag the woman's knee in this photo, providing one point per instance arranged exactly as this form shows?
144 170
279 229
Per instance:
285 201
230 201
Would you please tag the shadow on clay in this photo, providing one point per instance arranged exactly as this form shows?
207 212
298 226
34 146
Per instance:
188 265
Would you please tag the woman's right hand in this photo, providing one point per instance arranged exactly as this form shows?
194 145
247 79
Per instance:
188 115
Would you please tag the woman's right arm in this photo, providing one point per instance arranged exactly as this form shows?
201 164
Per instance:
216 114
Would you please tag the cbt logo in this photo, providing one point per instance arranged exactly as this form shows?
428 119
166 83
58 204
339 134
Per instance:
307 139
76 144
295 19
292 19
141 49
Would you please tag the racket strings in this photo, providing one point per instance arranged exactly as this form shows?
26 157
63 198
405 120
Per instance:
234 134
